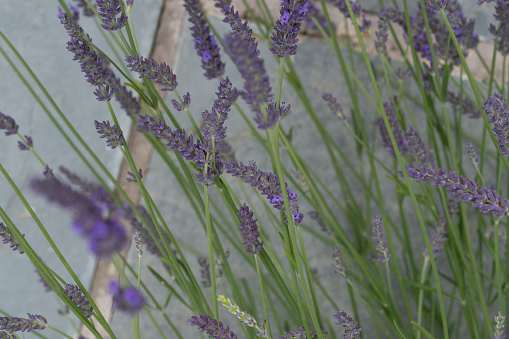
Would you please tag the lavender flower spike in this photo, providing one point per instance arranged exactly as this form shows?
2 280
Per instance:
108 10
249 230
34 322
300 332
159 73
351 328
498 114
381 34
79 299
380 241
127 300
204 42
437 238
396 130
487 200
334 105
473 153
113 134
284 40
339 265
214 329
499 332
8 124
5 335
7 236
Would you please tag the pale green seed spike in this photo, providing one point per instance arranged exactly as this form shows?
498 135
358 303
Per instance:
235 310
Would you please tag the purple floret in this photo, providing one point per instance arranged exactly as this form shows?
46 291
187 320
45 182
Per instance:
8 238
77 297
34 322
159 73
212 327
284 39
351 328
113 134
8 124
249 229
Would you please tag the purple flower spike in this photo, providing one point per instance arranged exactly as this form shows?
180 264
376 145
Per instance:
79 299
339 265
113 134
435 5
127 300
487 200
396 130
315 12
132 177
351 328
335 107
501 32
419 150
8 124
186 100
127 101
381 34
204 42
87 11
5 335
357 10
204 272
274 114
300 332
499 327
8 238
268 184
380 241
105 236
159 73
437 239
212 327
108 10
29 144
34 322
249 229
257 90
498 114
285 38
473 153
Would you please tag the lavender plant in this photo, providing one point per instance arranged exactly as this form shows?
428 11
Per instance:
426 265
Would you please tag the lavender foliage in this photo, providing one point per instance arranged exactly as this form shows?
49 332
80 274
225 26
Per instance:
34 322
249 229
285 37
109 10
487 200
8 124
8 238
113 134
212 327
105 236
380 240
159 73
127 299
351 328
498 115
77 297
268 184
205 43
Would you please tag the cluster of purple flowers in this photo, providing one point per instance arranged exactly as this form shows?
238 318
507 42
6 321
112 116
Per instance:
77 297
34 322
499 328
356 9
127 101
204 42
487 200
200 153
8 238
272 116
249 229
334 106
159 73
186 102
437 238
10 126
498 114
126 299
338 262
473 153
352 330
92 64
105 236
300 332
268 184
109 10
212 327
380 241
257 90
502 31
399 136
285 37
113 134
315 216
381 34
